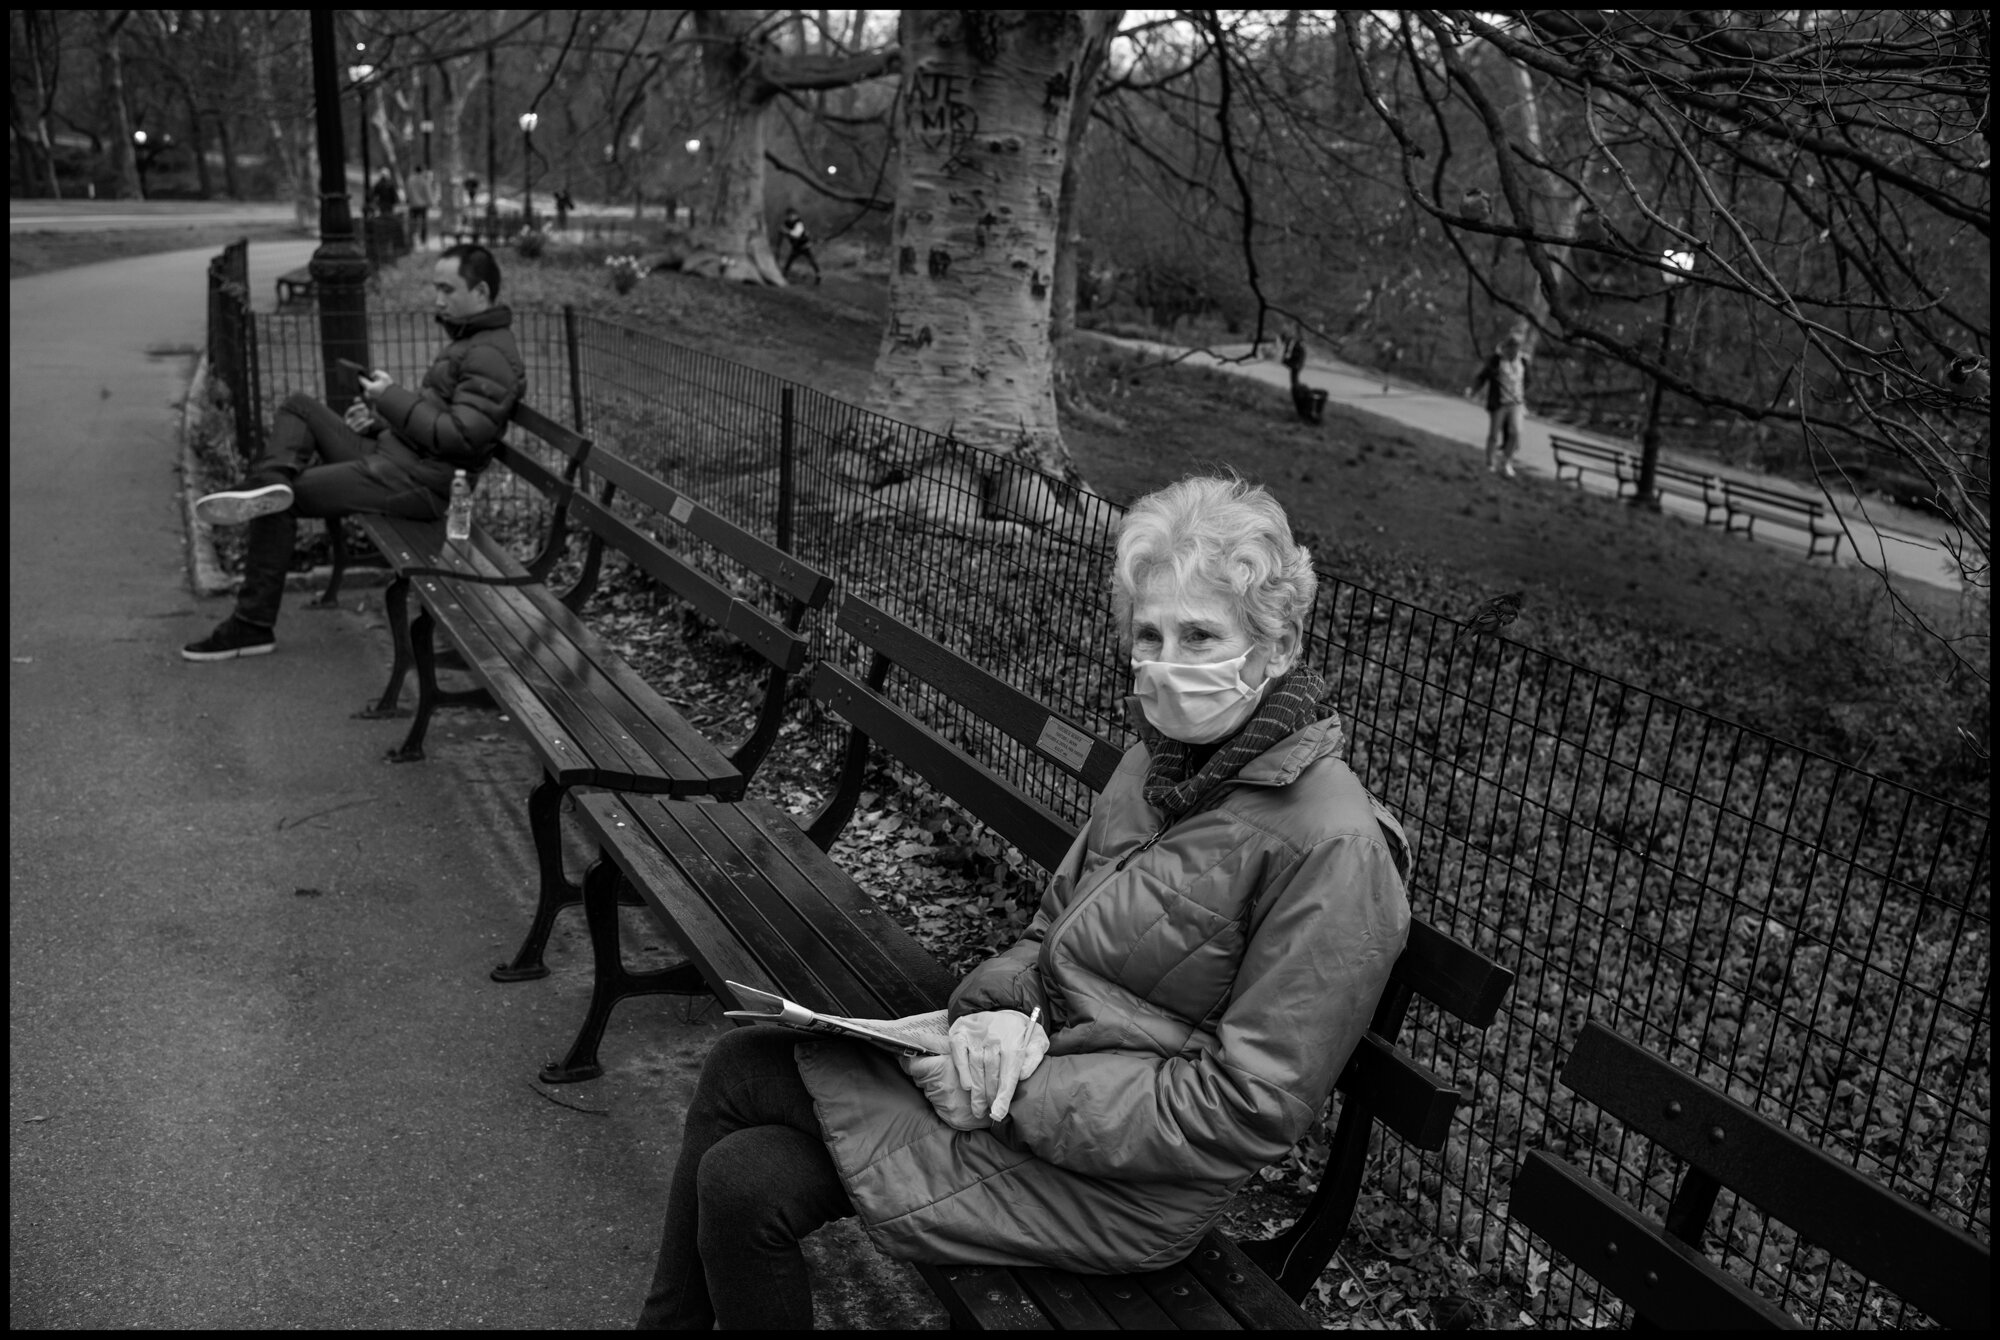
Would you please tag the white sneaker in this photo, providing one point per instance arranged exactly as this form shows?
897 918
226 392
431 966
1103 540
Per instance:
236 506
1507 470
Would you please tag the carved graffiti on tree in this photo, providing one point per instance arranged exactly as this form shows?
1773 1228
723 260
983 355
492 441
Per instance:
940 117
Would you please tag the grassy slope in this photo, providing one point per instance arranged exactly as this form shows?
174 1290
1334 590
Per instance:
1751 632
34 253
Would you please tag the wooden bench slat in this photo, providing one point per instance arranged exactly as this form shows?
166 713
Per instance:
1888 1237
1188 1304
1125 1300
1408 1098
568 441
796 579
988 1298
579 669
707 938
1665 1280
1251 1296
1083 755
1063 1299
708 597
1453 975
865 938
1027 823
622 743
904 958
783 915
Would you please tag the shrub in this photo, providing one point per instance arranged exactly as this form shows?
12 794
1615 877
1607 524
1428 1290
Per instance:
625 272
530 243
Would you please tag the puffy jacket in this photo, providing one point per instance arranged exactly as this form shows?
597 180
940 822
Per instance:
456 417
1201 996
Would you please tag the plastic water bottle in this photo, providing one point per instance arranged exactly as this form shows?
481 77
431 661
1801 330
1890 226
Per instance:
458 519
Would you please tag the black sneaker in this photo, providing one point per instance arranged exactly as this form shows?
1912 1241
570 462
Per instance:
232 638
233 507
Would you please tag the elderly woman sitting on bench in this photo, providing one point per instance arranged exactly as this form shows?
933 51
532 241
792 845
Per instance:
1203 963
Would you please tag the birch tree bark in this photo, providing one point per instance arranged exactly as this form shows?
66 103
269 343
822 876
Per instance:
983 133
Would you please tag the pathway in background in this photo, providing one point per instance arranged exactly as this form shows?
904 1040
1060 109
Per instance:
1908 543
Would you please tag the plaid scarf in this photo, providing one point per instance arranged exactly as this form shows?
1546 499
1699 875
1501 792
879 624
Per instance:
1177 780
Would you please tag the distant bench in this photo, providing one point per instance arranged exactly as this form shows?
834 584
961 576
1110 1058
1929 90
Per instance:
1661 1271
1729 500
296 286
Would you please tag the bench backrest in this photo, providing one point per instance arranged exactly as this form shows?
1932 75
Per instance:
778 640
1774 497
1381 1083
1885 1237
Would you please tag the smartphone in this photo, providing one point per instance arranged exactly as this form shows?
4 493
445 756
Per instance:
351 366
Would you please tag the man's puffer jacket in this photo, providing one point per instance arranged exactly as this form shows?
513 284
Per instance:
1201 996
457 416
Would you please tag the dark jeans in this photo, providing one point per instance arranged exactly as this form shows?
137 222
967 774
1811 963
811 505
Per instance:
799 251
359 474
753 1178
420 225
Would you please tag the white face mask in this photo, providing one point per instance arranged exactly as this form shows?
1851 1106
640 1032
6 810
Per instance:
1196 704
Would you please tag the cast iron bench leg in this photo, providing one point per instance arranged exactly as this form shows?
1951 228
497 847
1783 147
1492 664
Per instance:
336 543
613 981
397 599
412 748
544 808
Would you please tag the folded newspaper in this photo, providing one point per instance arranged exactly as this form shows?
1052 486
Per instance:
914 1035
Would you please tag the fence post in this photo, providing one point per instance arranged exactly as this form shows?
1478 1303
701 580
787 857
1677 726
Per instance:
570 345
785 426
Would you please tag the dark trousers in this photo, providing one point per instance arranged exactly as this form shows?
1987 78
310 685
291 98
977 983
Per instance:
333 471
799 251
753 1178
420 224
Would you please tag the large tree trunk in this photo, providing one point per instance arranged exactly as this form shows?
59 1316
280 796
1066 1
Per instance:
111 68
728 237
983 134
1062 317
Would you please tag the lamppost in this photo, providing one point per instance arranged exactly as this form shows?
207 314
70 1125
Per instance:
492 172
139 159
528 123
360 75
1675 266
339 269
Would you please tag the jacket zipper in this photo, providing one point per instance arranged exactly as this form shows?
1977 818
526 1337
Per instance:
1143 847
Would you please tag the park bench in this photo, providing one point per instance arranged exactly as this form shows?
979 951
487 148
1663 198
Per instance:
1574 457
751 896
1755 502
591 720
296 286
1660 1270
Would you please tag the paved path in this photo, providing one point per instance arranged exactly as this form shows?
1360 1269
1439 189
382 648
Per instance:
257 1076
85 216
1909 543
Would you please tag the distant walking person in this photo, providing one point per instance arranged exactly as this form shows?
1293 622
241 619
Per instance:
422 195
1505 377
393 453
800 244
384 194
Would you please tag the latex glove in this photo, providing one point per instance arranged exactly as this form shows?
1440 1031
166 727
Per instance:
938 1078
994 1050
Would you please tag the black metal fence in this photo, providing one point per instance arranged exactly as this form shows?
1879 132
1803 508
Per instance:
232 341
1811 937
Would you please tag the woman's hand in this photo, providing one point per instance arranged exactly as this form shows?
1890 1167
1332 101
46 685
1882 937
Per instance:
994 1050
938 1078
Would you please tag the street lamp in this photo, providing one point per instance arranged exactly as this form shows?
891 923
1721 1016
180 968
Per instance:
1675 266
139 159
360 74
528 123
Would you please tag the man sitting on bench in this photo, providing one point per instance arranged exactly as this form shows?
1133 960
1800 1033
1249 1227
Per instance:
394 452
1204 961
